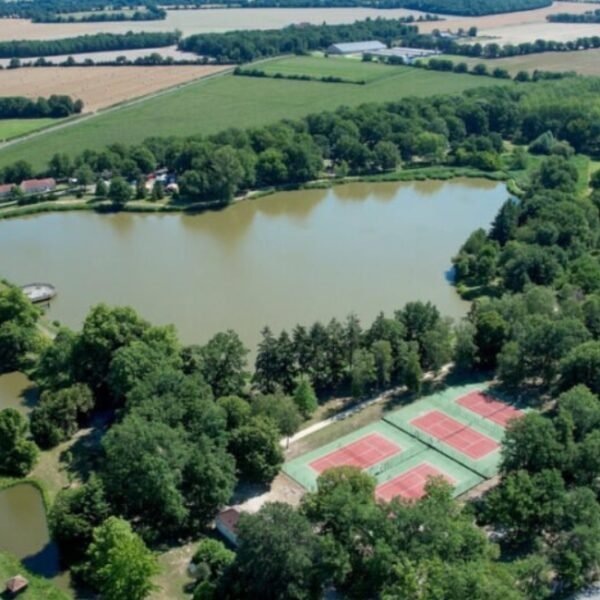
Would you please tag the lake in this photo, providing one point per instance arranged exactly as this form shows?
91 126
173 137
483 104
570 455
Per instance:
289 258
24 529
17 391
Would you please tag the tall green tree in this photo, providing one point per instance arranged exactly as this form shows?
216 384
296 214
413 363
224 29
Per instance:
119 563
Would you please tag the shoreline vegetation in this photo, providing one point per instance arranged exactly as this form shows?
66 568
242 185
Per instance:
436 173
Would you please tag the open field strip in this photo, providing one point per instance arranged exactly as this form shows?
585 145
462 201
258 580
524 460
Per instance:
343 67
12 128
99 87
217 103
583 62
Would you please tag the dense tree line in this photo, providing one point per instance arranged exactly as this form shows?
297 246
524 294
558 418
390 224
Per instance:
19 107
592 16
43 8
149 13
99 42
465 131
46 8
246 46
495 50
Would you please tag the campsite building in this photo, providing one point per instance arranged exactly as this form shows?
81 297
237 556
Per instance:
408 55
356 47
38 186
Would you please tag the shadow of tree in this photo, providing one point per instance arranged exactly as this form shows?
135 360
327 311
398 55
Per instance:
84 455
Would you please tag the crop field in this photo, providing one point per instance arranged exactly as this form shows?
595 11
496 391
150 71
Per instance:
98 87
584 62
211 105
523 26
347 68
12 128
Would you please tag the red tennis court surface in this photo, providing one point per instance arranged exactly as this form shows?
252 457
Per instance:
453 433
487 407
410 485
363 453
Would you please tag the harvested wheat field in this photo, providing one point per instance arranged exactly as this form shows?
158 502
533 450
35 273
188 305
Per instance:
523 26
99 87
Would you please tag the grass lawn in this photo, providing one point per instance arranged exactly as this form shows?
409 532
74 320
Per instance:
11 128
346 68
229 101
39 588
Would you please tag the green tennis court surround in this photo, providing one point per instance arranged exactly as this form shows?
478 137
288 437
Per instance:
306 468
455 434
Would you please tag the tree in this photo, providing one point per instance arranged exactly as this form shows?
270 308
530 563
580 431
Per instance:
281 410
384 362
257 451
237 411
465 350
305 398
531 443
54 367
132 363
158 191
119 563
582 365
277 558
222 363
17 454
526 506
143 473
207 483
583 408
74 515
101 189
59 414
104 331
211 560
18 328
386 155
119 192
411 372
363 374
490 334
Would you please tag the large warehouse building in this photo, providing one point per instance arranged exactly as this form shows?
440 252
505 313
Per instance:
356 47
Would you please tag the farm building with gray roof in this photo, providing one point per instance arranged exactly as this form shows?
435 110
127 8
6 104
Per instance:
356 47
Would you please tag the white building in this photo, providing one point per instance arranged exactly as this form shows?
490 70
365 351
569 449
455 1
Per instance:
356 47
408 55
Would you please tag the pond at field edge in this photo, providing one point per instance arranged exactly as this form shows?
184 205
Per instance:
24 529
289 258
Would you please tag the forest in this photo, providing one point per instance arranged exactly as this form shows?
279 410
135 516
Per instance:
188 422
48 8
56 107
246 46
587 17
148 13
98 42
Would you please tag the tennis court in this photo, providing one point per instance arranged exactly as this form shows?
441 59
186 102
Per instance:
410 485
363 453
456 434
488 407
375 448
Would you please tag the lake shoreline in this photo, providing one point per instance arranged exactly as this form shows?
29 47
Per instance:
144 206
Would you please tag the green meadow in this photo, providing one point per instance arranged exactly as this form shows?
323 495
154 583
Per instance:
12 128
217 103
347 68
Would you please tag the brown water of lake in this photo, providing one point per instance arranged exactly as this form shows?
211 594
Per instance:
24 529
17 391
289 258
